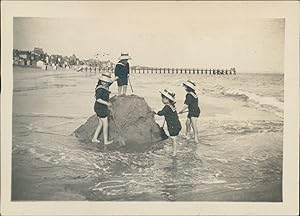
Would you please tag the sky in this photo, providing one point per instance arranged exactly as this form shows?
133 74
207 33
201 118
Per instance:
160 36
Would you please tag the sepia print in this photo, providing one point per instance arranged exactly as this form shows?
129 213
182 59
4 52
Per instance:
131 105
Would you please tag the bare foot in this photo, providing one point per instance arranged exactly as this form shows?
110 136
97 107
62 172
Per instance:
109 142
95 141
196 141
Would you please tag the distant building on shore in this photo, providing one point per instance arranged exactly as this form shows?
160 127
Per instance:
40 64
37 56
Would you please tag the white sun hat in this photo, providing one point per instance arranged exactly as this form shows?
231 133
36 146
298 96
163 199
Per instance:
190 84
168 94
124 56
106 77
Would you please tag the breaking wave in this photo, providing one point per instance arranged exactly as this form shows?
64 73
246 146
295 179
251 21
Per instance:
261 100
266 103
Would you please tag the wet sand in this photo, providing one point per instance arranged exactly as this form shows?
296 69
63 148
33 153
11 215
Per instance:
39 182
239 157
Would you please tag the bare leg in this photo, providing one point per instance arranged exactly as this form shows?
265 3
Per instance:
124 89
119 90
188 128
174 145
97 132
195 128
105 131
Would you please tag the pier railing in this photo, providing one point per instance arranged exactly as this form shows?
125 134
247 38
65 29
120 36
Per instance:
135 70
230 71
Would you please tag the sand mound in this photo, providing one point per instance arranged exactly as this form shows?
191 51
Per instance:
134 119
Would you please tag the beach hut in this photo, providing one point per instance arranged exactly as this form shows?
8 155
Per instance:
16 60
33 63
39 64
44 67
21 62
23 55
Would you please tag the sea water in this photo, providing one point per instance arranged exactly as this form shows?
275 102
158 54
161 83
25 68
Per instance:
239 157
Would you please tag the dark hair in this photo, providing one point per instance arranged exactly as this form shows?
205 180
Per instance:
99 83
106 84
163 96
170 101
103 83
189 89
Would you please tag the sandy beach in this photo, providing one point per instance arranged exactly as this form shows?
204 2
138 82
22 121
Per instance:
239 157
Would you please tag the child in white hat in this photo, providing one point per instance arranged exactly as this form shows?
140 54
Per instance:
101 106
191 103
122 71
171 116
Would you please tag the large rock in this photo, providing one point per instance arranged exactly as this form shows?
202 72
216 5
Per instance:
135 124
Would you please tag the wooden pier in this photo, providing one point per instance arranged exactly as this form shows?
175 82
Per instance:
137 70
153 70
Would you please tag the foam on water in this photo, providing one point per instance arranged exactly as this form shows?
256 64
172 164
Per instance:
269 102
266 103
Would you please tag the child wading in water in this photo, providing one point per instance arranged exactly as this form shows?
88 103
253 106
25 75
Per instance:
101 106
171 116
191 103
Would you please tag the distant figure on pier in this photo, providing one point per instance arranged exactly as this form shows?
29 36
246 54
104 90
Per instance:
122 71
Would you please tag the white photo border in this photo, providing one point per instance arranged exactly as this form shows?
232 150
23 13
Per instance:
287 10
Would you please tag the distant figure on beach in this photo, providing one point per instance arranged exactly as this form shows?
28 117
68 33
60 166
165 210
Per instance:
101 106
191 103
122 71
171 116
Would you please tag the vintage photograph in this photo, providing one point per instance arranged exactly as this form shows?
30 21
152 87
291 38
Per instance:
131 105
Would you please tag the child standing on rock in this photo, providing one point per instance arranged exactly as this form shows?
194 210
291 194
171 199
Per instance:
122 71
101 106
191 103
171 116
